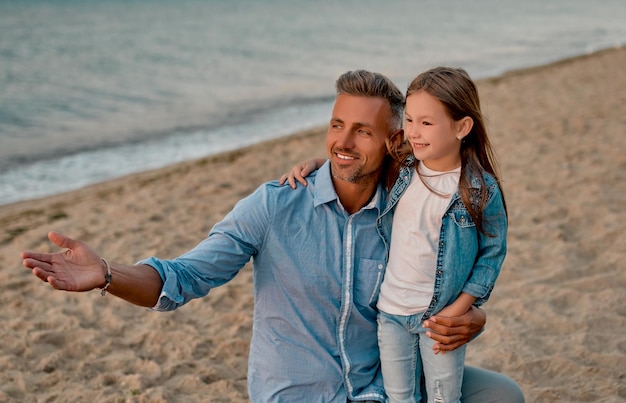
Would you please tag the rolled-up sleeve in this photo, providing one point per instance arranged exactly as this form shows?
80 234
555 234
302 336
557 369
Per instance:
217 259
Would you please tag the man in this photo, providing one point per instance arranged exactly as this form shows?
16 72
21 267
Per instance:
319 254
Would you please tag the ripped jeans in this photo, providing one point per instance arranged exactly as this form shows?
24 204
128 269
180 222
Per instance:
407 359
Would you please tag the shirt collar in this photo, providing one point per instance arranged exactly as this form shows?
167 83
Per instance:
325 190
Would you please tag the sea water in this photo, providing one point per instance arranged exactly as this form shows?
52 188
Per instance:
95 89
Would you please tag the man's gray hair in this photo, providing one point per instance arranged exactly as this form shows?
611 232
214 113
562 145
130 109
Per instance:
368 84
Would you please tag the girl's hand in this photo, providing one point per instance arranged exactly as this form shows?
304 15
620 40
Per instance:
300 171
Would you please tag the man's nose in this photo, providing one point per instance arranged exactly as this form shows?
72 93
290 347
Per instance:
346 139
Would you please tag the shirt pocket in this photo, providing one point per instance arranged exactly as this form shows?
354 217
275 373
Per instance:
367 279
462 218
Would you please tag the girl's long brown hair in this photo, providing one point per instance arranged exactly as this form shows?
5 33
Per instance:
454 88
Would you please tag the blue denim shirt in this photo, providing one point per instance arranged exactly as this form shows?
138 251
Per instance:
467 261
317 272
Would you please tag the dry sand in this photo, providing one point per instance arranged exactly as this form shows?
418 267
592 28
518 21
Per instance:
556 321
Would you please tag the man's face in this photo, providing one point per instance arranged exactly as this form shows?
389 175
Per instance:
355 141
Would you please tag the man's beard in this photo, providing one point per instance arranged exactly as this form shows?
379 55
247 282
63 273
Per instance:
351 175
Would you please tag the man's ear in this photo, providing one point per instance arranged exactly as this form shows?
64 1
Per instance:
396 139
463 127
400 135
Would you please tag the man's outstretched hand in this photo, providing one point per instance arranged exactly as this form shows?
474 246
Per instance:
77 268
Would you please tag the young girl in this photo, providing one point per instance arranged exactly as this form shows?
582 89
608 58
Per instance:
449 232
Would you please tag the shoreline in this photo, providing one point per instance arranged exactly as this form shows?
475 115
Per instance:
493 79
556 318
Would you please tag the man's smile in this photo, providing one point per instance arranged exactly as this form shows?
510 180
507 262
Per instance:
344 157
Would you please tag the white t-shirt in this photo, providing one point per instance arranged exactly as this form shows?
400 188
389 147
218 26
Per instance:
410 275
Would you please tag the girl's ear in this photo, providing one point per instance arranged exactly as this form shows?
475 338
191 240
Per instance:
463 127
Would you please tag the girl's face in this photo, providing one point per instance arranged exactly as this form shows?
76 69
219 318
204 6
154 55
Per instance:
434 136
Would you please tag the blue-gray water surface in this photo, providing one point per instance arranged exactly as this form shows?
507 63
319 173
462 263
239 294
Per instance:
94 89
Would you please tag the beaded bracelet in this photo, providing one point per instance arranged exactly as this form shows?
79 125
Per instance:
107 278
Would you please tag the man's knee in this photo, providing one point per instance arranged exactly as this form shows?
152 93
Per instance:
483 386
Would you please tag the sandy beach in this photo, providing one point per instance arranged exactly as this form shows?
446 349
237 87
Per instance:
556 320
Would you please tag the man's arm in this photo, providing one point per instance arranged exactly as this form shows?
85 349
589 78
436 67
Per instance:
79 268
453 332
137 284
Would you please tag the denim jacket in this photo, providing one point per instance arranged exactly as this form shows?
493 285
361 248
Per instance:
467 261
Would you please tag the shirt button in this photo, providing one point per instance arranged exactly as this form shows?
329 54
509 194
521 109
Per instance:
380 267
462 218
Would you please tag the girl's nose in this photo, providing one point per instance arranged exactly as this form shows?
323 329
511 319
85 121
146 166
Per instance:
412 132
